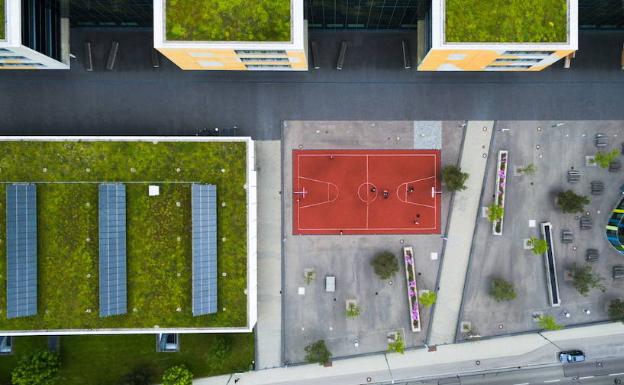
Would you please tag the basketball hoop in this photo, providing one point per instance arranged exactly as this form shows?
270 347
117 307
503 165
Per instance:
434 192
302 193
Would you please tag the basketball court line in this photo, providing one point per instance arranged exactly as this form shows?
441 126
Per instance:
368 228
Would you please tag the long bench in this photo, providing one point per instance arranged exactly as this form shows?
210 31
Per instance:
551 267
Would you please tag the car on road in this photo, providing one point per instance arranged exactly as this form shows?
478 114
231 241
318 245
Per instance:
571 356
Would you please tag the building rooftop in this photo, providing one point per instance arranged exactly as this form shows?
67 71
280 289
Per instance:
159 236
228 20
506 21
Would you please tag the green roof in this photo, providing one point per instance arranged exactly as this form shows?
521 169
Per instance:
2 20
158 230
228 20
506 21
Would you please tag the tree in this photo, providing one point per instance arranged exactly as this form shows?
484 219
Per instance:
571 203
428 298
584 279
603 159
318 352
495 212
454 178
538 246
385 264
353 310
502 290
548 322
177 375
139 376
616 310
39 368
398 345
529 169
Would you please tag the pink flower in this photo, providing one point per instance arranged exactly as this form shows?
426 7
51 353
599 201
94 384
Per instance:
412 284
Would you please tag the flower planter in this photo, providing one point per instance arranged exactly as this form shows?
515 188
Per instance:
499 189
412 291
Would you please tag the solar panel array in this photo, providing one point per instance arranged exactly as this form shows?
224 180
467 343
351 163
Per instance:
204 213
112 230
21 234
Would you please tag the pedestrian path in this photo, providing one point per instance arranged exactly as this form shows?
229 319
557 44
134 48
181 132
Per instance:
269 329
459 237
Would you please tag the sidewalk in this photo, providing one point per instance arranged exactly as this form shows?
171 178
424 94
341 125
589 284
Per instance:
461 229
504 353
269 328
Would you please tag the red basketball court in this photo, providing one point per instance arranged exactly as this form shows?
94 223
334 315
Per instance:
366 192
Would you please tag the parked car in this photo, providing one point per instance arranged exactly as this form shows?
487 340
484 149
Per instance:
571 356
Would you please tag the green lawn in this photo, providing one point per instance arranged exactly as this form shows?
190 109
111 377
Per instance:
103 360
2 21
158 231
506 21
228 20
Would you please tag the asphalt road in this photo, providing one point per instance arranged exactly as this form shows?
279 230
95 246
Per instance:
138 100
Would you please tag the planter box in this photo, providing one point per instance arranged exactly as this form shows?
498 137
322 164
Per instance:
502 169
412 291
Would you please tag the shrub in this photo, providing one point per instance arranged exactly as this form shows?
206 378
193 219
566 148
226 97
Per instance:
385 264
454 178
397 346
529 169
616 310
502 290
538 246
584 279
428 299
318 352
548 322
139 376
571 203
353 311
177 375
39 368
603 159
495 212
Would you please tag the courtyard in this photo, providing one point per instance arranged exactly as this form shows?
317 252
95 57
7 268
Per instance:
555 149
310 312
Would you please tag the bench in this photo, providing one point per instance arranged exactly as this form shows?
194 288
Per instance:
567 236
615 165
618 272
330 284
601 140
574 176
586 223
592 255
597 187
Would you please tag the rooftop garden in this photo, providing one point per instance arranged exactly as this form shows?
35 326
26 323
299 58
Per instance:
107 359
2 20
158 230
227 20
506 21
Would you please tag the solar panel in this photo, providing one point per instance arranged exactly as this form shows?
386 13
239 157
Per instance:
204 212
21 234
112 230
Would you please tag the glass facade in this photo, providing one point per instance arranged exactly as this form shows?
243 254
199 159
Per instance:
595 14
365 14
111 13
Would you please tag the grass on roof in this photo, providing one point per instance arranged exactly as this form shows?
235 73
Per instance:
2 19
104 360
158 231
506 21
228 20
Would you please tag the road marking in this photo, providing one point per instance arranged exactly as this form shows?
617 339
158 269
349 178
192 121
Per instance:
548 381
616 374
586 377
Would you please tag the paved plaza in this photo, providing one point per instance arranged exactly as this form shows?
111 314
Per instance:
316 314
554 148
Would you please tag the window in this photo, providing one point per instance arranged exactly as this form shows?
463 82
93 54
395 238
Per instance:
529 53
259 52
264 59
508 67
526 60
4 50
29 64
267 66
13 57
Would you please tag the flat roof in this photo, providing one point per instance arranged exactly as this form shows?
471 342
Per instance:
159 237
228 20
505 21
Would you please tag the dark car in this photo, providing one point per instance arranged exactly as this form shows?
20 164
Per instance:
571 356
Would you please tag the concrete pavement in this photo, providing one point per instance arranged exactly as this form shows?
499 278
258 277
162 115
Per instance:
461 228
269 327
